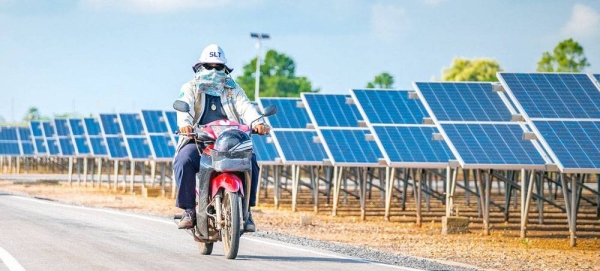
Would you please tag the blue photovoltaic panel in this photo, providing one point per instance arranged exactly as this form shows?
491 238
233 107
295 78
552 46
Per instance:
52 145
26 140
9 148
576 144
298 146
331 110
62 127
110 124
390 107
412 144
172 120
132 124
8 134
163 146
40 145
48 129
351 146
9 141
81 144
36 128
77 127
264 149
64 137
139 148
116 147
498 144
66 146
289 115
98 146
554 95
597 76
460 101
92 126
155 121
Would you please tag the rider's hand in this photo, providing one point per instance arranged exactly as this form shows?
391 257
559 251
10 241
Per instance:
262 129
187 130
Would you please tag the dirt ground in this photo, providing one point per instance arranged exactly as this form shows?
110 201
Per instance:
486 252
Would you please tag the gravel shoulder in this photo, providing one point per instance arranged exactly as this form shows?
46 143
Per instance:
373 239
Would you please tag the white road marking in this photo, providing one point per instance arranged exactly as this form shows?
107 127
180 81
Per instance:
171 223
10 261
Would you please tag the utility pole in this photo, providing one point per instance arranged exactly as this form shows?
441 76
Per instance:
259 38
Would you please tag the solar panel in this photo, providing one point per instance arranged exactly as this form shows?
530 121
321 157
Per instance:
463 101
9 141
350 147
494 145
553 95
390 106
117 149
110 124
162 142
63 134
265 149
139 148
38 137
82 145
132 124
289 115
331 110
155 121
298 147
574 144
26 141
413 144
597 76
97 141
172 120
50 137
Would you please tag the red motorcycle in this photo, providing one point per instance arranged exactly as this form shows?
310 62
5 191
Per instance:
223 181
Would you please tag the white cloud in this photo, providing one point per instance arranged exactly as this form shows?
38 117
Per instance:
156 6
433 3
388 21
584 23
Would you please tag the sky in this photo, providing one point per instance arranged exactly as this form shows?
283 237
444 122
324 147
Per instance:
105 56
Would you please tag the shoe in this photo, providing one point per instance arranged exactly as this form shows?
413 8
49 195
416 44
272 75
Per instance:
249 226
187 219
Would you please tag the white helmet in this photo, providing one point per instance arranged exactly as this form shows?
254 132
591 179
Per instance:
212 54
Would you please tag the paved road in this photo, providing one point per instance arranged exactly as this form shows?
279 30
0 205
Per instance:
44 235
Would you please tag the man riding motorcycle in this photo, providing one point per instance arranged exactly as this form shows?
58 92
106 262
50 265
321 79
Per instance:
212 95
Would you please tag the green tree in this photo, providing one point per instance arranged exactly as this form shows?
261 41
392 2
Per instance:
277 77
383 80
477 69
568 56
33 113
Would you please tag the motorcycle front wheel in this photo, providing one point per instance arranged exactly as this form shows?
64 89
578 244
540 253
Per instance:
230 233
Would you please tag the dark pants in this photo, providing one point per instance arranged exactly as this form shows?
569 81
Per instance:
187 164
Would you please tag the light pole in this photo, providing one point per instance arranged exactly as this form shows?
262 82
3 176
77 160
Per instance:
259 38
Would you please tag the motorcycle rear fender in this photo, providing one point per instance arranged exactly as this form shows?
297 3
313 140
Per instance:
228 181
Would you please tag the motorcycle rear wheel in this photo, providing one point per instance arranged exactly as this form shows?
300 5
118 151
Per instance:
205 248
230 233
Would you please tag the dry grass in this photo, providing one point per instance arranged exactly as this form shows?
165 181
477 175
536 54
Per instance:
496 251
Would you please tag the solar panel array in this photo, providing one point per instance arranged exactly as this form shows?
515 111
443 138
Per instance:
563 110
477 124
475 121
396 121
